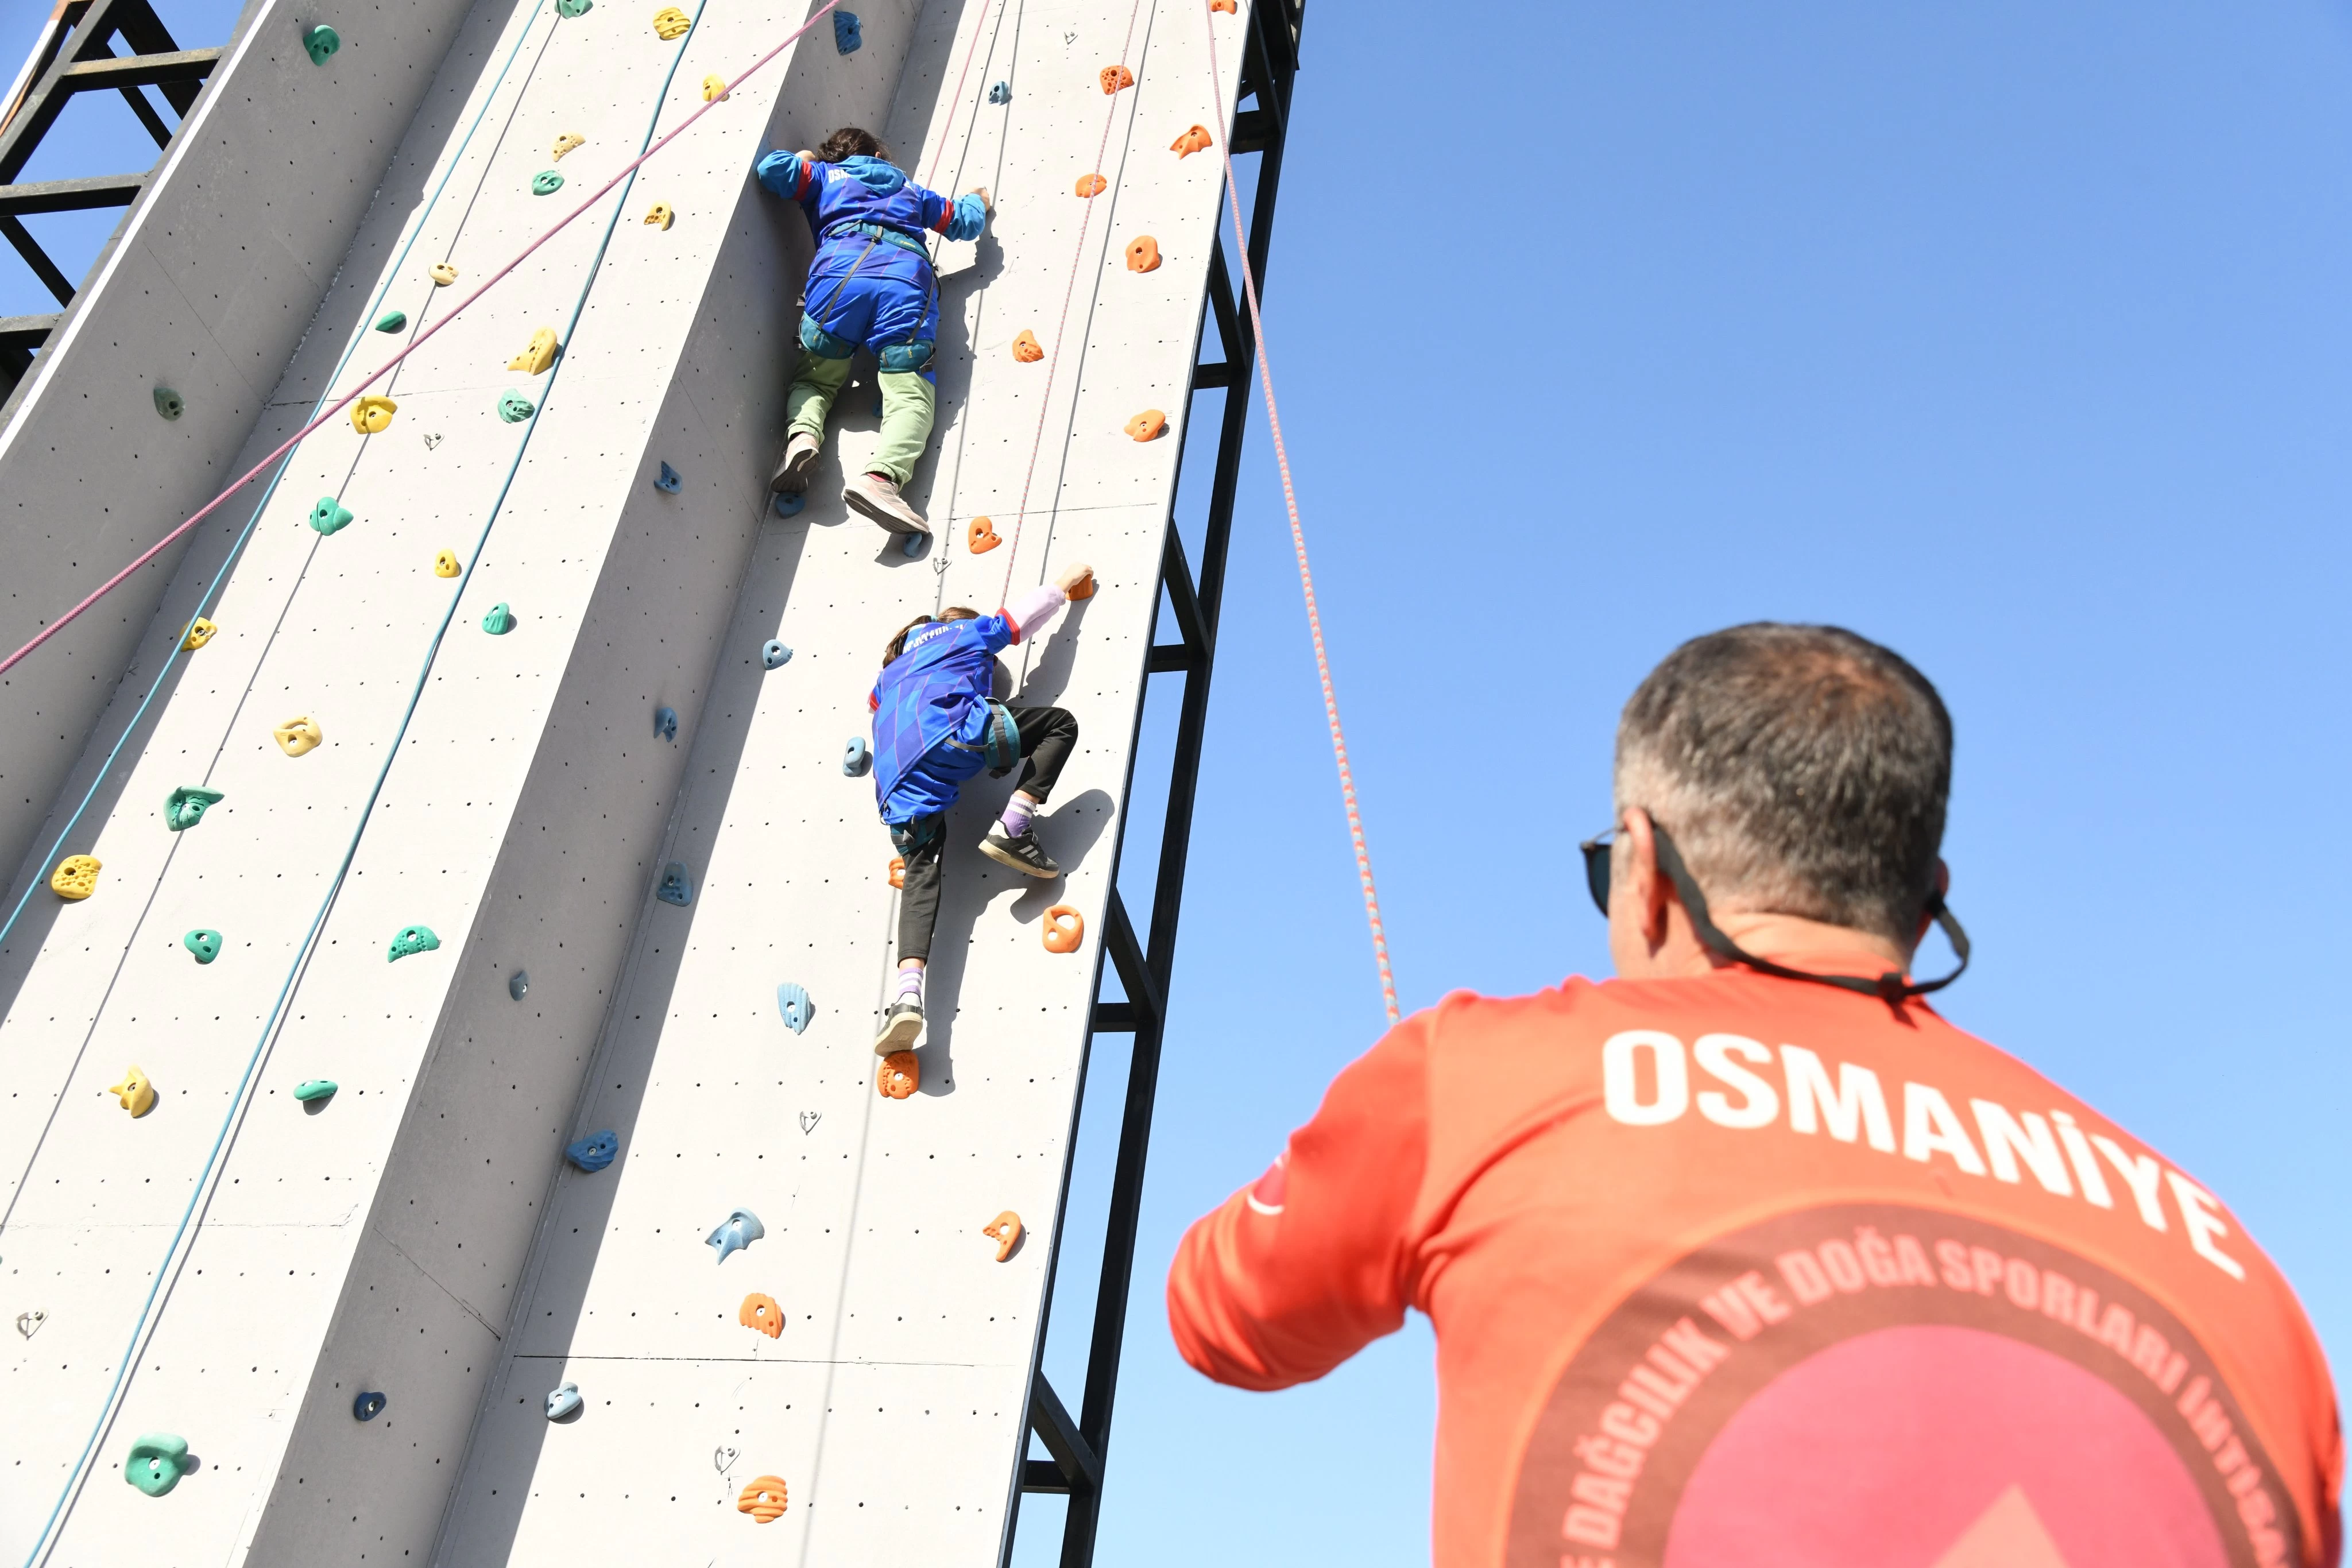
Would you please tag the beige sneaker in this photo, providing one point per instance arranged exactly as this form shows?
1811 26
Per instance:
879 499
800 456
900 1025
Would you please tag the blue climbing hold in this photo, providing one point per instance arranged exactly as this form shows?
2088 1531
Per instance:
912 545
774 654
668 482
596 1150
792 1001
368 1407
856 758
330 515
518 984
205 945
514 408
845 35
321 41
676 887
563 1401
666 723
790 502
1001 93
187 806
743 1228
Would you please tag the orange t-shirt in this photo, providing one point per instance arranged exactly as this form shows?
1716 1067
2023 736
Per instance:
1736 1269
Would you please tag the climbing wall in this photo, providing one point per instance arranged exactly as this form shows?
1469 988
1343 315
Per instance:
504 905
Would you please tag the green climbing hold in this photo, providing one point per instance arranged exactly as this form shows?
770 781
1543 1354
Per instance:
330 515
574 7
311 1089
499 621
186 807
514 408
157 1460
411 941
391 321
321 41
205 945
546 183
169 404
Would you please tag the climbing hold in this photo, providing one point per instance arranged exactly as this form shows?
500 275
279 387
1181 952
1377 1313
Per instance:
563 1401
759 1312
187 805
1115 77
205 945
368 1407
668 480
539 358
330 515
855 757
670 22
1084 590
1026 349
912 545
659 215
981 536
763 1499
444 275
570 141
714 89
546 183
1196 139
311 1089
1226 5
411 940
899 1075
157 1460
596 1150
1005 1231
136 1094
739 1229
1142 253
370 416
200 632
809 1119
774 654
1001 93
391 321
297 736
898 871
666 723
790 502
792 1001
445 564
1147 425
29 1324
76 878
676 885
1092 184
499 621
518 984
1065 929
514 408
169 404
846 36
575 8
321 41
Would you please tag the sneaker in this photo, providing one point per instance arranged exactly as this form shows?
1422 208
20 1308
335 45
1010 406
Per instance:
900 1025
1023 855
800 456
879 499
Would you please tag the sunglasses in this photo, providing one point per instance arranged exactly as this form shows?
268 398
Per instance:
1596 867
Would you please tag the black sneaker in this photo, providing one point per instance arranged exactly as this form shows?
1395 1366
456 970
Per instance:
1023 855
900 1025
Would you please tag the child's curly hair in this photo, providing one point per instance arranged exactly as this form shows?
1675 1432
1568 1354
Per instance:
898 644
851 141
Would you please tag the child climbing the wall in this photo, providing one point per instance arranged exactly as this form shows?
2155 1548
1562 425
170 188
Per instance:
870 287
937 726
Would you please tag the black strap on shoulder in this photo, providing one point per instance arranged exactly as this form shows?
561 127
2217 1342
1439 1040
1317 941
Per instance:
1890 987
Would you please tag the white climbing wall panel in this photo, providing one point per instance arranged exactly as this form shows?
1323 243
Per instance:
418 1233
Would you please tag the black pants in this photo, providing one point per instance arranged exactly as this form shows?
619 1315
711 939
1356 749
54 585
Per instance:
1048 738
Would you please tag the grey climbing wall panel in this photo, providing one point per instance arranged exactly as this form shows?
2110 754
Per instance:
418 1233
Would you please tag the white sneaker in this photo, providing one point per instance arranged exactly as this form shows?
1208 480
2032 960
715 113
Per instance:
879 499
900 1025
800 456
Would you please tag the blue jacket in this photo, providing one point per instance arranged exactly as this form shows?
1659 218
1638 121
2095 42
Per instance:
837 197
935 691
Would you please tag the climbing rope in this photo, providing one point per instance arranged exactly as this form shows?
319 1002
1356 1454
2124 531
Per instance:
103 589
932 172
1298 533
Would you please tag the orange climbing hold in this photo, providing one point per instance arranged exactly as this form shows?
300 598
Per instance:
1092 184
1065 929
1142 253
898 871
1084 590
763 1499
1005 1231
981 537
1196 139
761 1313
1147 425
1227 6
1115 77
899 1075
1026 349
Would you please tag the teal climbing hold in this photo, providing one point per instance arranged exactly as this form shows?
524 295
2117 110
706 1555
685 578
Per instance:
311 1089
169 404
1001 93
514 408
186 807
499 621
912 545
205 945
575 8
391 321
321 41
676 885
157 1460
546 183
330 515
518 984
412 940
855 757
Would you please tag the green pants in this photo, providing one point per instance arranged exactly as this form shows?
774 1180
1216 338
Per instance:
910 403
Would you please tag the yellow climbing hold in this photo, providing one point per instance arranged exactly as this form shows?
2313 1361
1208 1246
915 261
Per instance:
137 1096
714 89
444 275
297 736
570 141
200 632
76 878
372 414
670 22
659 215
539 358
445 564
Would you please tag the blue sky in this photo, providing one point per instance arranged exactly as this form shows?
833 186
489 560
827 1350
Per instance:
2015 335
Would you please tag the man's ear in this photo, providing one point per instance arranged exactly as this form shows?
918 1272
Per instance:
1646 888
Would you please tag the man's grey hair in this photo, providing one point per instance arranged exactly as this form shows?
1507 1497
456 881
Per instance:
1799 769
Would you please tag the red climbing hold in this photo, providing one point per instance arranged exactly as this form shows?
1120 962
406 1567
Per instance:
1142 253
1065 929
1026 349
981 537
1147 425
1115 77
1092 184
1196 139
899 1075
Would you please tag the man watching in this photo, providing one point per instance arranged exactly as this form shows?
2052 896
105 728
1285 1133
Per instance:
1747 1256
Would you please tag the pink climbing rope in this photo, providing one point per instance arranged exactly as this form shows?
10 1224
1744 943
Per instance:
1053 360
1298 534
103 589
